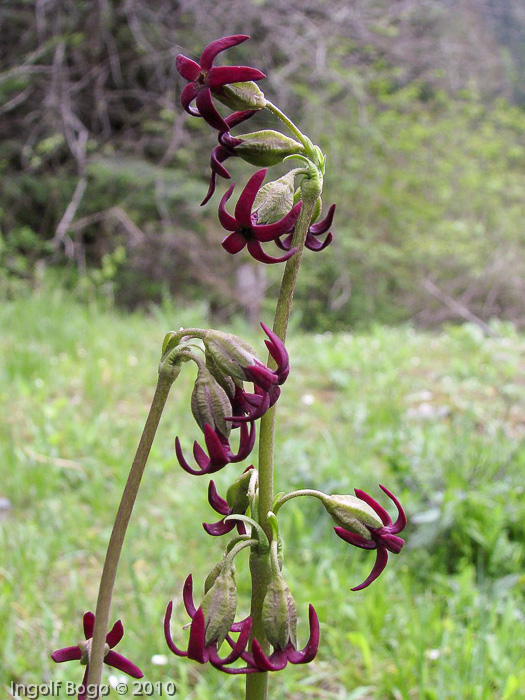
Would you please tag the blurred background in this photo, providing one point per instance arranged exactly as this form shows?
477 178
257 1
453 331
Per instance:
406 345
418 105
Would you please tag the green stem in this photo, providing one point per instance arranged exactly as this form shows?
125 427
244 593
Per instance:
260 567
289 123
295 494
116 541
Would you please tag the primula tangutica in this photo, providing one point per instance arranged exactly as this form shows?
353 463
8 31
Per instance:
234 401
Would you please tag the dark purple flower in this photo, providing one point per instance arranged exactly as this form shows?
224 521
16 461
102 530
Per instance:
225 150
198 648
206 79
383 539
220 505
245 231
81 651
278 659
219 450
311 242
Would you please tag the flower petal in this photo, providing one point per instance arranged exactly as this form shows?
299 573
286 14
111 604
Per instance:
187 597
385 518
187 68
257 253
243 209
353 538
89 624
310 650
66 654
186 98
381 562
401 521
269 232
122 664
324 225
167 633
219 528
234 243
219 504
313 244
226 75
226 220
208 112
116 633
197 650
210 52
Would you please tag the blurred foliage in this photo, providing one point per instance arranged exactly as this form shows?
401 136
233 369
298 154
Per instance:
419 108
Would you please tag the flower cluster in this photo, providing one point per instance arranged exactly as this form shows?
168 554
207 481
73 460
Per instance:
234 87
220 401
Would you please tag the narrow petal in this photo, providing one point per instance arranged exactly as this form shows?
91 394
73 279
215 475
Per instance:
187 68
261 376
269 232
243 209
219 528
313 244
186 98
278 351
116 633
211 51
187 597
263 662
257 253
89 624
381 562
227 221
197 650
182 461
83 696
324 225
237 118
208 112
354 539
310 650
66 654
385 518
234 243
219 504
401 521
226 75
237 649
215 446
122 664
167 633
246 442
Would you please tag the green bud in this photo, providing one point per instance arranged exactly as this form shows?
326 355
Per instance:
210 403
224 380
220 604
228 353
266 148
237 494
279 614
352 513
241 96
275 199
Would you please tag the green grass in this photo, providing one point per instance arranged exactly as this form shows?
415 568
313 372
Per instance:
439 419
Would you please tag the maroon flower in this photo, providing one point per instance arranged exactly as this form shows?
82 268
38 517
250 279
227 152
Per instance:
219 450
82 651
312 243
280 657
383 539
225 150
198 648
245 231
220 505
206 79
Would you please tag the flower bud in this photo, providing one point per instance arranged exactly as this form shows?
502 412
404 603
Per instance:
237 494
279 614
266 148
352 513
220 604
241 96
224 380
275 199
210 404
228 353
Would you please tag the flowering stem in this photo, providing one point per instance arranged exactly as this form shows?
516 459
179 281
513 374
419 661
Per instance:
294 494
260 566
289 123
116 541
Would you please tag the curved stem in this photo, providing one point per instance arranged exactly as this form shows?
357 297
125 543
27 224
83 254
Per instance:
295 494
116 541
289 123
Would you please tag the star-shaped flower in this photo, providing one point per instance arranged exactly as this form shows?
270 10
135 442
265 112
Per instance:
205 78
219 451
383 539
245 231
81 651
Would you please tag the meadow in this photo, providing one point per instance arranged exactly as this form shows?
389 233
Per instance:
439 418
